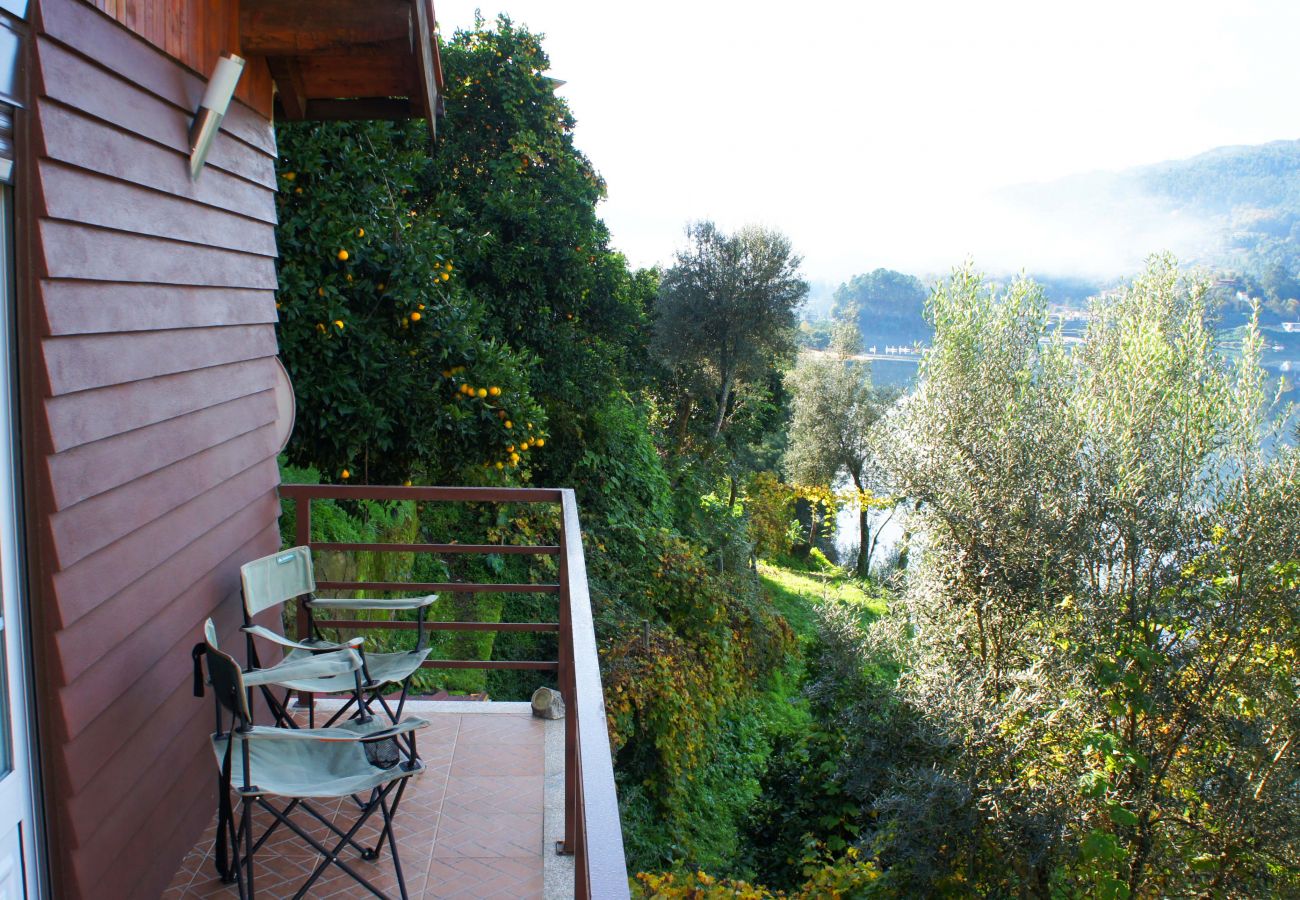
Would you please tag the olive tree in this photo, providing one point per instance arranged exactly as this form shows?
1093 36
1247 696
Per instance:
725 316
1099 640
834 409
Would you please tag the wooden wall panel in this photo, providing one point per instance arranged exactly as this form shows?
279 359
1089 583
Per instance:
150 447
196 32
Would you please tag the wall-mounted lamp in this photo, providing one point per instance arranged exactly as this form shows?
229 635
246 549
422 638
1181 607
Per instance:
216 100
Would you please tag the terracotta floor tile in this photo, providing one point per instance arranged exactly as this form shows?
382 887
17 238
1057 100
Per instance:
485 760
495 793
470 826
469 834
499 730
517 879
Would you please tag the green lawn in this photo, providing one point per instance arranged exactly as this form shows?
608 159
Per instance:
796 593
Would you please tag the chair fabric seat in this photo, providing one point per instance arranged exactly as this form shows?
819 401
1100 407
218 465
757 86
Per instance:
319 762
383 668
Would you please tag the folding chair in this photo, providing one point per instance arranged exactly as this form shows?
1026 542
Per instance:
272 581
360 758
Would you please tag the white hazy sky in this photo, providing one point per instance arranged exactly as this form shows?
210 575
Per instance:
872 133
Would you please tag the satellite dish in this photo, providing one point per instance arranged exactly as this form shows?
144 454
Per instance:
284 404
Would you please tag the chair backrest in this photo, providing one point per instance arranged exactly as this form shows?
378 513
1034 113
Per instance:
272 580
226 677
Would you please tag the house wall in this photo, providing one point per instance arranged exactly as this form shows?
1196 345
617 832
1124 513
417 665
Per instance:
196 32
147 307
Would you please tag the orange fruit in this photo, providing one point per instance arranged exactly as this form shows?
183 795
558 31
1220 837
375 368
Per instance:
290 176
345 474
338 324
494 391
541 442
415 317
509 424
343 256
481 392
446 276
297 190
320 292
361 232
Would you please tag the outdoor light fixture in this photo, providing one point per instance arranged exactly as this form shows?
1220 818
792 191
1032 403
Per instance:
216 100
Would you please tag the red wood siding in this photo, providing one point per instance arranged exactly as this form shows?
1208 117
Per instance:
196 32
148 318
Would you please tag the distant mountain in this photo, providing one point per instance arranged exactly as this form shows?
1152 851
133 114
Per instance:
1234 209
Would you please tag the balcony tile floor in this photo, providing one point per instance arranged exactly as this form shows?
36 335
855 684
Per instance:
470 826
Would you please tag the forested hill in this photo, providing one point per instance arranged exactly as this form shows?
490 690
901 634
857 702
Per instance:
1223 180
1234 209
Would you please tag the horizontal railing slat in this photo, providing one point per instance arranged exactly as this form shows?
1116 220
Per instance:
600 866
533 549
438 626
395 492
605 864
489 664
434 587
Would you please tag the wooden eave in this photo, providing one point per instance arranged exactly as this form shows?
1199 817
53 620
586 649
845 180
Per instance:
347 59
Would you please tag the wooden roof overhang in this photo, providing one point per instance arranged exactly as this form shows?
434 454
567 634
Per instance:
347 59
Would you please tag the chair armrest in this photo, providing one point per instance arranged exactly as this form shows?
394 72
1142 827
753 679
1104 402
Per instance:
401 727
320 665
367 603
314 647
271 733
266 732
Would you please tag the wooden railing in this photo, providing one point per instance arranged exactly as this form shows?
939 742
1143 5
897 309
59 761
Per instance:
592 831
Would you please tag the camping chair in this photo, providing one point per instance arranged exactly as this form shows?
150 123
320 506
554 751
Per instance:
362 758
272 581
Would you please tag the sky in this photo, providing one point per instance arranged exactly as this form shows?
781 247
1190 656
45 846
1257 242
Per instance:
879 134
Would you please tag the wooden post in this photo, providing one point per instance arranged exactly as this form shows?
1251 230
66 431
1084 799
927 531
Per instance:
568 690
302 538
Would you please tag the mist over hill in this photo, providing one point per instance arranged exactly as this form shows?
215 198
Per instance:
1235 210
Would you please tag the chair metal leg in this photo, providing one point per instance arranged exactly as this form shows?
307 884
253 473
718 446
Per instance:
331 856
388 833
247 823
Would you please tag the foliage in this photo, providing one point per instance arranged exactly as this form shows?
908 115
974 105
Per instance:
835 408
1097 694
725 317
770 505
847 875
885 305
539 261
382 341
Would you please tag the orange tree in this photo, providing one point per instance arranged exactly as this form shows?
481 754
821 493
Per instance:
393 373
539 259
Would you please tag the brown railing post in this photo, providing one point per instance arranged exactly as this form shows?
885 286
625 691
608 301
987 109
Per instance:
568 689
592 830
302 538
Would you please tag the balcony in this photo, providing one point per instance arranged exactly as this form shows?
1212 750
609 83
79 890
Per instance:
511 805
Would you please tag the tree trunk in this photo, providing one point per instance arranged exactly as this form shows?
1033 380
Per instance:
864 527
723 399
864 547
681 421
